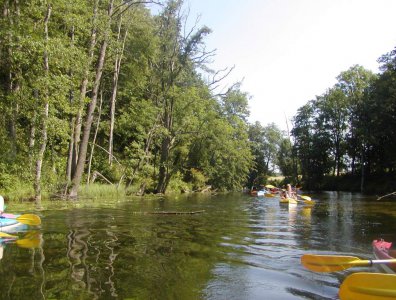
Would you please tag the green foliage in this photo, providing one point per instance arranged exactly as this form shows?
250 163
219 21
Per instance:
12 184
177 184
99 191
266 143
170 130
198 179
343 132
285 158
221 151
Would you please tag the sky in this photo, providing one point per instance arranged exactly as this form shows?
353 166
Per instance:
286 52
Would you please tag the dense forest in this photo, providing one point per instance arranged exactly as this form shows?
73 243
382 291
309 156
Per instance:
107 91
344 138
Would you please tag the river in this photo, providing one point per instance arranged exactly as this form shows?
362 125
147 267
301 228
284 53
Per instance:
239 247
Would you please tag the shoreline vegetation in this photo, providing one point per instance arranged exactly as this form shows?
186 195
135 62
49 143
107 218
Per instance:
97 191
107 97
104 190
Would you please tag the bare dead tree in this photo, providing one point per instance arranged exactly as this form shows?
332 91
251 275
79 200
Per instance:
117 68
94 138
44 116
76 180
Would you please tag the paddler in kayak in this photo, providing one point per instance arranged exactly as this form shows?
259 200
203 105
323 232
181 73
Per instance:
289 192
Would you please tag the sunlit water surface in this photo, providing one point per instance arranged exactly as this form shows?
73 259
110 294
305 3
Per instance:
240 247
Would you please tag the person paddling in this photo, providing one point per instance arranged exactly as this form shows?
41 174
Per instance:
289 192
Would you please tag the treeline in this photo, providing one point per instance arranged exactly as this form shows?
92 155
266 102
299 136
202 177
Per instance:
344 139
106 90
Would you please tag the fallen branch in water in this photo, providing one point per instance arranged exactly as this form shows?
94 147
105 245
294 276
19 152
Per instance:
176 212
394 193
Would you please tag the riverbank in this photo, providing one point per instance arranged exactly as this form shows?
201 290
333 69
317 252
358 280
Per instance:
94 191
373 184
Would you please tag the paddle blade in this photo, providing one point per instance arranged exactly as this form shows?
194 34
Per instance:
330 263
28 243
306 199
368 286
309 202
29 219
30 240
8 236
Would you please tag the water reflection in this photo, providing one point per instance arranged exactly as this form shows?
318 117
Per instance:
292 215
239 248
30 240
92 257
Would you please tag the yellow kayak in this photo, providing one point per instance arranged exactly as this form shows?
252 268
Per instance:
283 200
288 200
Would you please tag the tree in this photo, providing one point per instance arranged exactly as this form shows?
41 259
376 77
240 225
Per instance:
312 144
353 83
380 112
266 144
333 109
177 56
91 107
222 151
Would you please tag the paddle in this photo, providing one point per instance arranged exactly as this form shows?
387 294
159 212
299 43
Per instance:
334 263
370 286
30 240
29 219
6 235
306 199
28 243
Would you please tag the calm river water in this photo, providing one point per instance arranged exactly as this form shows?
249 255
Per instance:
240 247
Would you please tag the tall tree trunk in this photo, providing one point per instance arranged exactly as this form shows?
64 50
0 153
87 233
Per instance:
363 170
353 164
12 84
14 115
117 66
94 138
76 128
71 122
70 152
44 117
165 150
91 108
32 136
163 168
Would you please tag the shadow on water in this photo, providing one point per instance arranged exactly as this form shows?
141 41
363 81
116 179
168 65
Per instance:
240 247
